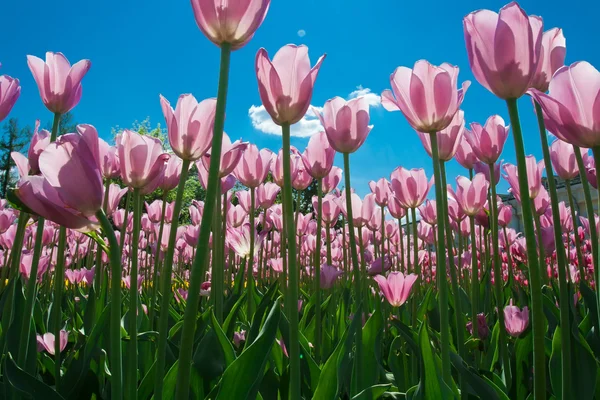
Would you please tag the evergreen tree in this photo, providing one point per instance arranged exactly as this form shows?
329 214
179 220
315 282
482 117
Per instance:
13 139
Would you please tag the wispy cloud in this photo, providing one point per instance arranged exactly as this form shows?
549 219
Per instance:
373 99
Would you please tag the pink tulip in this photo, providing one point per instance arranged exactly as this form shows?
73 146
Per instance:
464 153
483 330
382 191
410 186
541 203
515 319
59 83
239 337
483 168
7 217
236 215
238 240
318 156
564 213
302 179
472 195
534 177
504 215
329 274
330 209
563 160
230 156
428 212
109 159
396 287
154 211
332 180
362 210
253 166
552 57
286 83
448 139
115 194
427 95
379 266
244 200
26 264
346 123
232 22
30 165
395 208
190 125
277 167
171 174
47 342
266 194
10 90
488 141
142 161
504 49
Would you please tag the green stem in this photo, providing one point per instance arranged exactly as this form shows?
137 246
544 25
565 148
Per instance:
165 278
125 217
575 233
441 261
358 362
59 283
539 356
589 207
55 125
116 270
156 275
133 298
497 272
202 252
318 270
596 152
251 283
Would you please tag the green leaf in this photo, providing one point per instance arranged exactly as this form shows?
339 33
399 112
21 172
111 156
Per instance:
371 343
260 313
26 383
229 324
431 380
480 387
332 373
372 392
523 349
241 380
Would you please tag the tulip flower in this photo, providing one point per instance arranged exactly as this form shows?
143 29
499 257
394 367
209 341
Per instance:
266 194
286 83
47 342
231 22
552 57
488 141
427 95
9 93
516 320
329 274
563 160
410 186
346 123
448 139
254 166
471 195
382 191
504 49
318 156
109 159
59 83
230 156
115 194
171 175
396 287
332 180
238 240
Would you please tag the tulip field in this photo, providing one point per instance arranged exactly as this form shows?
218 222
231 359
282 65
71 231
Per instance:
281 281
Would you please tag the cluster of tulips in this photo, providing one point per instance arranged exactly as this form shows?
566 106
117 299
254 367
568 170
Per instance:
388 296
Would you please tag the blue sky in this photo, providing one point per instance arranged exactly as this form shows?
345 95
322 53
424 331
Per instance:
140 49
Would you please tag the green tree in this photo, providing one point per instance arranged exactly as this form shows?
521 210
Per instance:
12 139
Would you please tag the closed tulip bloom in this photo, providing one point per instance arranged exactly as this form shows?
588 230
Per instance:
472 195
552 57
232 22
504 49
277 167
362 210
429 212
396 287
286 83
154 210
318 156
47 342
190 125
59 83
266 194
142 160
329 274
244 200
448 139
534 177
410 186
302 179
504 215
515 319
115 194
464 153
330 209
332 180
109 159
10 89
171 174
254 166
395 208
427 95
563 159
382 191
230 155
39 141
236 215
571 106
488 141
481 167
346 123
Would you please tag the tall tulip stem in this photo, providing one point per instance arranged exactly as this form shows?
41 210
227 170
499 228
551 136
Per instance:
59 283
318 269
539 355
203 249
133 299
589 208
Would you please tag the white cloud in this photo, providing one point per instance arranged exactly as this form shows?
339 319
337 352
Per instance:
301 33
373 99
306 127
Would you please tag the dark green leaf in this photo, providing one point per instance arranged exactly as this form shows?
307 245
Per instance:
26 383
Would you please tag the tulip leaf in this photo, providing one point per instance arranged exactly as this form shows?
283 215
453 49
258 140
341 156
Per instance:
371 343
432 385
523 349
229 324
26 383
480 387
372 392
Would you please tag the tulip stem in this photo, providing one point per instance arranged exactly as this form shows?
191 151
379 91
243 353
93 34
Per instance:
589 207
203 249
30 294
596 152
251 283
165 278
539 356
218 274
59 282
155 277
441 262
498 279
55 125
115 307
133 298
575 230
358 362
318 270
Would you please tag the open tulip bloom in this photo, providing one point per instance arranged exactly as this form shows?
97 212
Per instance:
208 267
